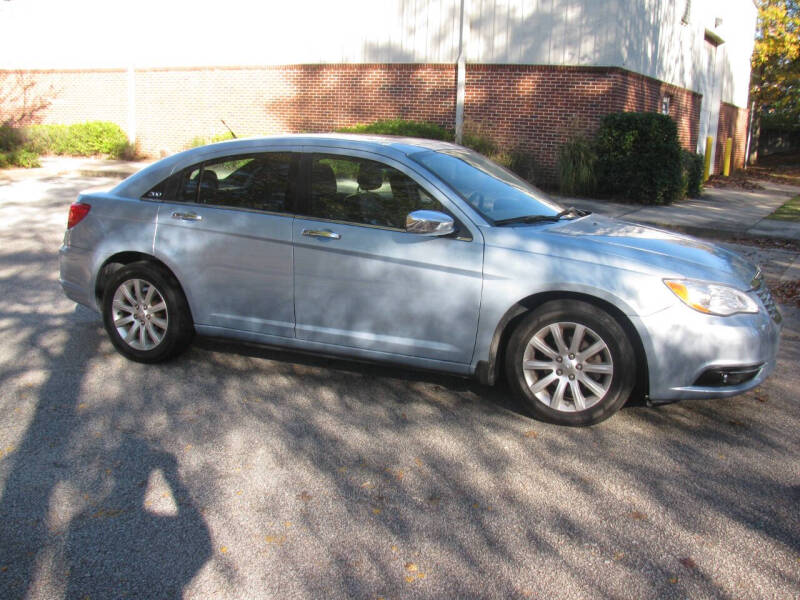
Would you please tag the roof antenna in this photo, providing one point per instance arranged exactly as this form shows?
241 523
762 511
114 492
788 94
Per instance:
229 129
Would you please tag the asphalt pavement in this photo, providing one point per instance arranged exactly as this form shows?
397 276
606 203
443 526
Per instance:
243 472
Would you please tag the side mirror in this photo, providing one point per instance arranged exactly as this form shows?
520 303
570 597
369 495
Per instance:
429 222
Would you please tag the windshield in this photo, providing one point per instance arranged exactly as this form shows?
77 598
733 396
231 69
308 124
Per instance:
493 191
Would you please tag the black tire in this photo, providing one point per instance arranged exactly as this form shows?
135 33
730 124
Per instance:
172 328
572 406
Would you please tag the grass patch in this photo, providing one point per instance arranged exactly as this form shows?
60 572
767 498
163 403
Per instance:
788 212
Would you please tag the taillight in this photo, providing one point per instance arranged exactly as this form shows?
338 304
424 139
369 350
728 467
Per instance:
77 211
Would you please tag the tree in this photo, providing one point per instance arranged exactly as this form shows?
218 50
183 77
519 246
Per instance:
776 64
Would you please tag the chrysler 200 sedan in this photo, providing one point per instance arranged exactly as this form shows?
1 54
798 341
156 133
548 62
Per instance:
420 253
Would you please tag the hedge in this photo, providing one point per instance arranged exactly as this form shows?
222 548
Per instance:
639 158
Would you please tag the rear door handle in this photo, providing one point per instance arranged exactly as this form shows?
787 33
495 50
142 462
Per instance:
322 233
187 216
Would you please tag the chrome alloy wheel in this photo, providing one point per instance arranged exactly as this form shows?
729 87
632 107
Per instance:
140 314
567 366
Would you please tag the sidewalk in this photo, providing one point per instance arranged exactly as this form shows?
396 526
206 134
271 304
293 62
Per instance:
720 212
60 166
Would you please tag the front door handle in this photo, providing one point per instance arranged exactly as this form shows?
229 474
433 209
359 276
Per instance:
187 216
322 233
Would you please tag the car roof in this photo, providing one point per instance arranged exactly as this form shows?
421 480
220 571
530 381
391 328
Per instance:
390 146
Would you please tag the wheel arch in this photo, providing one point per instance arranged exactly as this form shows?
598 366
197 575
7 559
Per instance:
121 259
488 371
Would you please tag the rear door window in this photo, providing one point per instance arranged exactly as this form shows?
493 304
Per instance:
264 182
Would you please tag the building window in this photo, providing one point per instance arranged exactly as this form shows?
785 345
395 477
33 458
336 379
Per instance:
665 102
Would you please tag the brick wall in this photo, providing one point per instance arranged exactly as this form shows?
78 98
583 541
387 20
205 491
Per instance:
64 96
538 108
733 123
532 107
175 105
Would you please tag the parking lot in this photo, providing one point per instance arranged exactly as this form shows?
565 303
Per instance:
243 472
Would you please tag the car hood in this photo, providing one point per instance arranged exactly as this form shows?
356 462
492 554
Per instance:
628 245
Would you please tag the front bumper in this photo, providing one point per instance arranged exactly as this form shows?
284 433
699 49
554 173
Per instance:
683 344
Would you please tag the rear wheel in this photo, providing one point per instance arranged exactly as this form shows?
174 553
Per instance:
571 363
146 314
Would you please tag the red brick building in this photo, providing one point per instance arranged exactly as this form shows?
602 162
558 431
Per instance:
532 77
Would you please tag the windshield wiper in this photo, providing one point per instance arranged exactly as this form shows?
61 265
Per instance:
544 218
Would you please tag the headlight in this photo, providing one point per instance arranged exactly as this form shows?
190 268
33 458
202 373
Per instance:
711 298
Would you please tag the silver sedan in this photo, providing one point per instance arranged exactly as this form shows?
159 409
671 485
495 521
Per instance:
420 253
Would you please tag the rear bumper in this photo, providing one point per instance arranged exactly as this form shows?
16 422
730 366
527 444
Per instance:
75 275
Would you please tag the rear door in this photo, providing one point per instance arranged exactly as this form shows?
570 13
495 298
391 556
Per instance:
226 231
362 281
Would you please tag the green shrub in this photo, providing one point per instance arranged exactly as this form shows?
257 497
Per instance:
80 139
477 139
576 167
402 127
639 158
692 165
198 141
11 138
18 157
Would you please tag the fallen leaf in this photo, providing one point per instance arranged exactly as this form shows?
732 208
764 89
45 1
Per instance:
411 567
409 578
673 580
763 398
688 562
304 496
287 524
638 516
394 549
531 434
476 505
619 555
376 511
224 550
421 576
366 485
418 462
275 539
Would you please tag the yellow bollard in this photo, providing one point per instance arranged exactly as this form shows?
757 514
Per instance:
707 160
726 167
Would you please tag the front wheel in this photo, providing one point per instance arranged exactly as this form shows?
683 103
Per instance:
146 314
571 363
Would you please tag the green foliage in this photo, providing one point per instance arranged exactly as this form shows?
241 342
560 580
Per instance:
639 158
80 139
775 78
476 138
692 168
18 157
10 137
402 127
576 167
198 141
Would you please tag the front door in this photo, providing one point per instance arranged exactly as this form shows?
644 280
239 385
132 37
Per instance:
362 281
